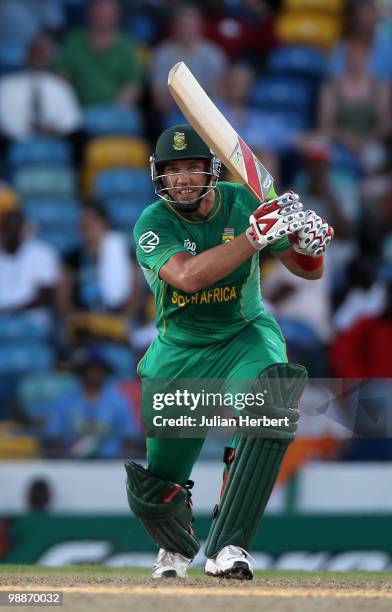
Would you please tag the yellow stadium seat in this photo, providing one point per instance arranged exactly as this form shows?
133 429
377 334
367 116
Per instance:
321 6
15 443
99 326
308 29
112 152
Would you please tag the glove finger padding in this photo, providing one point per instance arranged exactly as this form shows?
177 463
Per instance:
274 219
314 237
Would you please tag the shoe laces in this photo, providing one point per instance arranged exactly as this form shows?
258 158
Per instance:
237 551
169 557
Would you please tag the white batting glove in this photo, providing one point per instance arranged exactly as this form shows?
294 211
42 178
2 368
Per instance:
274 219
314 237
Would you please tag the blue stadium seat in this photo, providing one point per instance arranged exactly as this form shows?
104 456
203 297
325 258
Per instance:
297 61
142 27
118 182
62 241
281 93
37 391
102 120
12 57
21 356
22 326
173 118
39 151
57 221
46 211
40 180
119 357
124 212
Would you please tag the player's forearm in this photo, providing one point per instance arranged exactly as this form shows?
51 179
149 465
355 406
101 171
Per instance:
214 264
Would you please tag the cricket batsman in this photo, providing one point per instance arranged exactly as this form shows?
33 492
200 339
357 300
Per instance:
198 246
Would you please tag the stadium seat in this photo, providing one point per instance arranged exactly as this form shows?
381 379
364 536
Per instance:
62 241
12 57
57 221
21 356
21 326
113 152
39 151
44 181
46 211
297 61
305 28
142 27
124 212
105 120
335 7
120 182
281 93
37 391
120 358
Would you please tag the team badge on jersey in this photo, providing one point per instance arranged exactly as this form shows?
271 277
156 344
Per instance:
179 143
228 234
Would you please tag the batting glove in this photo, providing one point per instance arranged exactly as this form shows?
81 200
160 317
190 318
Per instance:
313 237
274 219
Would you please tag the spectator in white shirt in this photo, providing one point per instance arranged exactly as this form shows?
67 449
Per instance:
100 276
29 270
36 102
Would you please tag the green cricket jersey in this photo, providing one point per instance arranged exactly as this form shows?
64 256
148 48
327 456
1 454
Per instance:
220 311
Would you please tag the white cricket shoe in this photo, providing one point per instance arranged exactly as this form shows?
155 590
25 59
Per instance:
231 562
170 565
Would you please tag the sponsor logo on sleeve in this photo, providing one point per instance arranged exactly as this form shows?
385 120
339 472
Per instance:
148 241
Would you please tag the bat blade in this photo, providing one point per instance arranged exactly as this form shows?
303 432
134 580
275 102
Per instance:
217 132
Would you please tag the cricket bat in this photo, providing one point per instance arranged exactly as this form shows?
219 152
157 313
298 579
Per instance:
216 131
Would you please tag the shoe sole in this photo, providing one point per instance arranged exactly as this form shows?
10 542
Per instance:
239 571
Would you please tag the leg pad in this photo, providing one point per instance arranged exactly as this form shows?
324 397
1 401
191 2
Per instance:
165 509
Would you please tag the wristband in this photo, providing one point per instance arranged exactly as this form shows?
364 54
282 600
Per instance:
306 262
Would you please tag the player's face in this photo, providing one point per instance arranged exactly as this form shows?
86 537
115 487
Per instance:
185 178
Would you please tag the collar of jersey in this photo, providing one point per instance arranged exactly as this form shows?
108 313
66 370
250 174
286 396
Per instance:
198 220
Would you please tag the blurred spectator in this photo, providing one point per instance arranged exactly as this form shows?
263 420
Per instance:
100 276
355 111
364 293
295 298
364 23
320 195
93 420
245 34
187 44
22 20
36 102
39 495
340 206
267 139
29 269
100 62
364 350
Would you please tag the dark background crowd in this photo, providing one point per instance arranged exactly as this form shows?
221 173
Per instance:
83 96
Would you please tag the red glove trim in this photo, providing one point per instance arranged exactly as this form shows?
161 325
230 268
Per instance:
306 262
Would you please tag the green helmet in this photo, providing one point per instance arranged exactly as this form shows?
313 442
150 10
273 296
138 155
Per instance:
177 143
